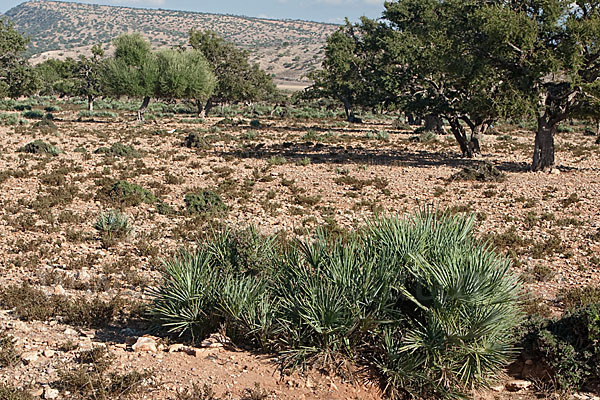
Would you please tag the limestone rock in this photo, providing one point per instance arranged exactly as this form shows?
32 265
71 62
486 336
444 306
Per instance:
50 393
145 343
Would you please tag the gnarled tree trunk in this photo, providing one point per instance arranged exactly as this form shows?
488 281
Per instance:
90 99
142 109
543 152
461 137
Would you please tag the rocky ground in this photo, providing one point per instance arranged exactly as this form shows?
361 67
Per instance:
281 176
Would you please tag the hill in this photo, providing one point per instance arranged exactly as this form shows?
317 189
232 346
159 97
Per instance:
286 48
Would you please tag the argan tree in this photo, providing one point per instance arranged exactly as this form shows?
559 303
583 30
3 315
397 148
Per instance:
133 71
551 49
238 80
16 75
184 75
89 72
438 70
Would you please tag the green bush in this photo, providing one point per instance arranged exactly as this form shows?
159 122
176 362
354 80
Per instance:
204 201
118 150
125 194
39 147
424 137
13 393
568 347
33 114
196 141
9 119
112 225
419 299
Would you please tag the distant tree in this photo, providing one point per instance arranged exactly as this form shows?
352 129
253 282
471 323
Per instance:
184 75
551 49
89 72
438 71
132 71
57 77
16 75
238 80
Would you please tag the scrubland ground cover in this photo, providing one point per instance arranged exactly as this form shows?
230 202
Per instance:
100 216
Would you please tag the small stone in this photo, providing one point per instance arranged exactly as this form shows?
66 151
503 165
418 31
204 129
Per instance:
555 171
49 353
59 290
37 392
333 386
517 385
29 357
176 347
50 393
145 344
309 383
70 332
498 388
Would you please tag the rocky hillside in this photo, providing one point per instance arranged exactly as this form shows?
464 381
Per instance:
288 49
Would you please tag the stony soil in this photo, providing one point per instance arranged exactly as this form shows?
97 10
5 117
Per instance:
287 175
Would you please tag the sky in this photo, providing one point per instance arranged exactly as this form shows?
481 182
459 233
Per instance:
314 10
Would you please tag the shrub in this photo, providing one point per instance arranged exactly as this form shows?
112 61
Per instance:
118 150
91 379
46 125
204 201
598 140
52 108
195 141
112 225
568 347
33 114
13 393
418 299
483 172
424 137
125 194
255 123
39 147
8 354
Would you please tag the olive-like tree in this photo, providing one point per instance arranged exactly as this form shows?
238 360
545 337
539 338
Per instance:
238 80
16 75
132 71
551 49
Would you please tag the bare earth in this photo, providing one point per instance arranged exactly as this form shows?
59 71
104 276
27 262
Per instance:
48 245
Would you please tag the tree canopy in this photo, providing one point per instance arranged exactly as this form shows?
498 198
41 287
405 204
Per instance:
16 76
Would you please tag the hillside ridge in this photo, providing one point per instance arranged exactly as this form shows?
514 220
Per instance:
288 49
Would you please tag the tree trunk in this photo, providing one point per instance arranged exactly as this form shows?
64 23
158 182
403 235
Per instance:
461 137
90 102
543 152
598 127
143 108
349 110
200 106
476 135
207 108
435 124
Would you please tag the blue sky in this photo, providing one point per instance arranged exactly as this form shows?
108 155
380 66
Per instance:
315 10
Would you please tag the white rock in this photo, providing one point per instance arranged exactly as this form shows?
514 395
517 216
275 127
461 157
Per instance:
49 353
50 393
70 332
555 171
176 347
29 357
145 344
59 290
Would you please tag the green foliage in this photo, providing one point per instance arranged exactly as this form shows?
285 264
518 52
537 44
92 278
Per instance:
34 114
39 147
237 78
112 225
569 347
118 150
204 201
125 194
418 299
8 354
16 76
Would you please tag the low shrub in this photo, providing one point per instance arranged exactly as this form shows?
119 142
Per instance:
12 393
33 114
8 354
568 348
482 172
46 125
418 299
196 141
125 194
112 225
423 136
39 147
204 201
118 150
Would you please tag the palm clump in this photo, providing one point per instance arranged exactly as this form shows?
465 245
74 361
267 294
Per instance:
418 299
